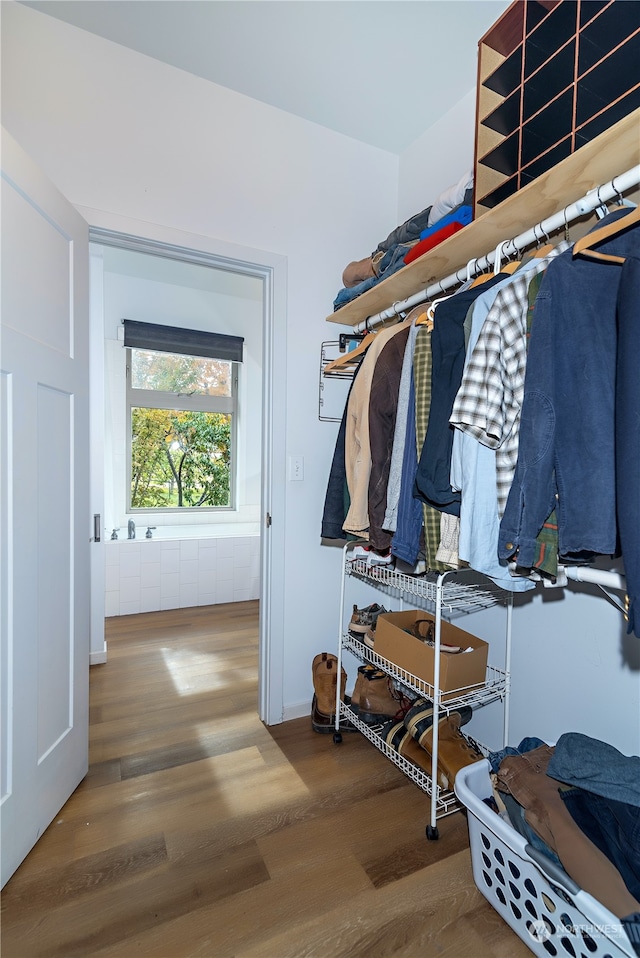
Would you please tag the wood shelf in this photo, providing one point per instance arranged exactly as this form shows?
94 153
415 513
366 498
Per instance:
614 151
576 60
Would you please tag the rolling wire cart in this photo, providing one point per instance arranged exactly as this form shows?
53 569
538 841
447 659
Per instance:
453 593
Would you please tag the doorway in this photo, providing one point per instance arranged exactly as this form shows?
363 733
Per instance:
184 286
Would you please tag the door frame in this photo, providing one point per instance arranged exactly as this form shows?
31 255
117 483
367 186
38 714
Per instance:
109 229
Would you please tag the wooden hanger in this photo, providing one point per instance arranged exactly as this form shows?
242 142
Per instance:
544 251
586 243
423 320
347 359
510 267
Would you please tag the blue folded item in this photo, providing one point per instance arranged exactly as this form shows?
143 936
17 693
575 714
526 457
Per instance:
463 214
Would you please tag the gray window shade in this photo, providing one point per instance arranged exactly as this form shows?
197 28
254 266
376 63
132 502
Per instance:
189 342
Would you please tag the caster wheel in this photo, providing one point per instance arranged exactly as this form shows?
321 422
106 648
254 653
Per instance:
337 737
432 833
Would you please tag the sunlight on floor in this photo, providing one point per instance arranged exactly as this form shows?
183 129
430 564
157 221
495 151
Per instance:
193 673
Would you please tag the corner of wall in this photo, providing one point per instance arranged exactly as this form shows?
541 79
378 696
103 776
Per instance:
438 158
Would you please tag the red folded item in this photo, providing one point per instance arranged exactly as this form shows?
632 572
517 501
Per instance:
434 240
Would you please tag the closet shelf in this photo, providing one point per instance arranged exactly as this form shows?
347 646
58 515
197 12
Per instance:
446 801
601 159
492 689
458 597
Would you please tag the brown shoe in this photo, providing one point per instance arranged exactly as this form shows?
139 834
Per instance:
325 724
379 700
365 672
454 750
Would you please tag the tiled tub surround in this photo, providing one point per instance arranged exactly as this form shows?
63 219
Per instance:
147 575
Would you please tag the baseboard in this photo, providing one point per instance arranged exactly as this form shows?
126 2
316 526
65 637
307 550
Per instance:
98 658
296 711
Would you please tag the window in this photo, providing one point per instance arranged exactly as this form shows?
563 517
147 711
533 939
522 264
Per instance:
182 413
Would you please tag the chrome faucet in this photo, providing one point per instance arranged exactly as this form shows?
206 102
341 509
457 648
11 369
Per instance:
131 529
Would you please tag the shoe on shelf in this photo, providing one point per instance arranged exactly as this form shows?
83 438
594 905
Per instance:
380 701
380 558
364 619
419 719
360 551
365 672
373 558
454 750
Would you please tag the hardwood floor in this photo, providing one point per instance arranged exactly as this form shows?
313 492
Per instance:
199 832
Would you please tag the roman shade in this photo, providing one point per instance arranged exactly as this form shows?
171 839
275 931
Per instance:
188 342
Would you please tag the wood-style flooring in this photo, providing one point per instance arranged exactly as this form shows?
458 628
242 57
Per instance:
200 832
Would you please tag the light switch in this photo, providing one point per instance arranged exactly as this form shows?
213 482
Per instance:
296 468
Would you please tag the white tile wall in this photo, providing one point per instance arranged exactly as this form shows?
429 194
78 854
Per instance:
178 573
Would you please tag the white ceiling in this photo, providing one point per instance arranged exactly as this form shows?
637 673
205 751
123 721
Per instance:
381 71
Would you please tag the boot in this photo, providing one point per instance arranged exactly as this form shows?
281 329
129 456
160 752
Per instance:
419 719
325 679
379 701
454 750
364 672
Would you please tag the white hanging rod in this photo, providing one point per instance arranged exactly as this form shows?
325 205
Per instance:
586 204
608 580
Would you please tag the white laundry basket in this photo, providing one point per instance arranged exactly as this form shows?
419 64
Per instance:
534 896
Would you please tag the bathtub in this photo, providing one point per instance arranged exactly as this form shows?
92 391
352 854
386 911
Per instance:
219 530
182 566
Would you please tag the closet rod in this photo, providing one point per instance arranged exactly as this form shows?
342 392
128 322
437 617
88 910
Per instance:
586 204
608 580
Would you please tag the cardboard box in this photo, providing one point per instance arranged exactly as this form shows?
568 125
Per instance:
457 671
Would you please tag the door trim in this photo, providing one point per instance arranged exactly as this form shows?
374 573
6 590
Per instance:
112 230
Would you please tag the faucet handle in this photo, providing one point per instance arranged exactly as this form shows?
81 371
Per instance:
147 534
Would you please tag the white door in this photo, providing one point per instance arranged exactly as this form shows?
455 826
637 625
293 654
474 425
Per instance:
44 504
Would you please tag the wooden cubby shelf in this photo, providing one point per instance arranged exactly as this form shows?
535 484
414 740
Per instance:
552 76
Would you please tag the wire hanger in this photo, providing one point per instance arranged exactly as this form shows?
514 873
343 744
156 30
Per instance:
595 237
548 247
512 266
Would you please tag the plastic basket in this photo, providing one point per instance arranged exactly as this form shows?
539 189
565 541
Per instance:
542 904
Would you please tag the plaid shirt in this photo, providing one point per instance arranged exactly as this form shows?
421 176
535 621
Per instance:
488 403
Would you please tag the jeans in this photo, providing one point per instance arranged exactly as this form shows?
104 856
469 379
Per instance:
613 827
596 767
567 427
407 232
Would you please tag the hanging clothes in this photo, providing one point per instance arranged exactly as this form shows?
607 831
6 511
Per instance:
357 442
432 483
491 392
383 404
566 456
627 462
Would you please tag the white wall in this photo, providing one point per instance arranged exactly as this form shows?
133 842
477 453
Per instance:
121 133
438 159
